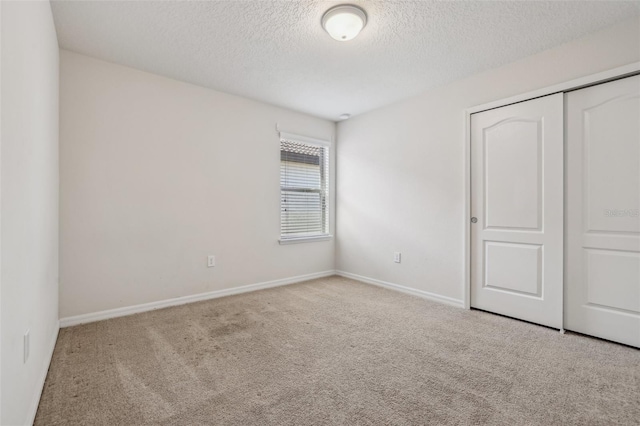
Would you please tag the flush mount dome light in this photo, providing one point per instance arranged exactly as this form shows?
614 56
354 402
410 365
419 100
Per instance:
344 22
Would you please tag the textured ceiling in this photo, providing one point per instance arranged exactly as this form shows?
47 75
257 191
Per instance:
277 52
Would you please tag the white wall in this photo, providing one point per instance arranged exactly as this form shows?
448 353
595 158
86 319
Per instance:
155 175
29 213
400 168
0 212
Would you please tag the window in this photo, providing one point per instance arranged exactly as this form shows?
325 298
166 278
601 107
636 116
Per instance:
304 188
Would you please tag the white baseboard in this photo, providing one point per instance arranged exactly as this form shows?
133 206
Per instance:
33 408
130 310
420 293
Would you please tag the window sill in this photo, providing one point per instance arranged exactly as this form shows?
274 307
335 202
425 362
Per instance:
284 241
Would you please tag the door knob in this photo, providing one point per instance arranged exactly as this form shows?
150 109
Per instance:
474 219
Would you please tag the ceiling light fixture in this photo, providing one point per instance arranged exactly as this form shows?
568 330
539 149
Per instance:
345 116
344 22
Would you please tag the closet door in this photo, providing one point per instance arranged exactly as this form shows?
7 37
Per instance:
517 208
602 292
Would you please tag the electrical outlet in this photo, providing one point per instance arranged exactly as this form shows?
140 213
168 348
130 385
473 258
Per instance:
211 261
25 342
397 256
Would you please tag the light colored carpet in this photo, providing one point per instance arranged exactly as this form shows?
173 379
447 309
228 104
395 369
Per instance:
334 351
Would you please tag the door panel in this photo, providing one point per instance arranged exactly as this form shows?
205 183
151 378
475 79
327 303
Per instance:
512 196
612 162
513 268
612 279
602 290
517 197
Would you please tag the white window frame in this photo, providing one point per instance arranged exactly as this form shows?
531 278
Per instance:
324 144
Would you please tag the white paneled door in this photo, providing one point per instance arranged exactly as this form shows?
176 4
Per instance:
517 207
603 211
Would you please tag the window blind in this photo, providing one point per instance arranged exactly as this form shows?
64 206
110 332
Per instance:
304 185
